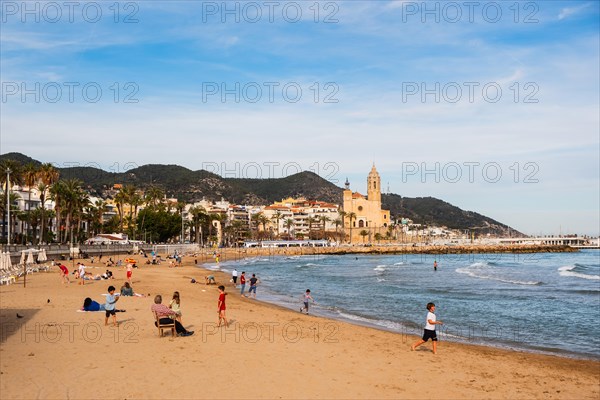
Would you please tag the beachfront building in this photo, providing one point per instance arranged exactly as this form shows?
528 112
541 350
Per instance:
301 218
364 217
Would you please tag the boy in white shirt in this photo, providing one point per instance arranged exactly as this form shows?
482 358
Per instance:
429 332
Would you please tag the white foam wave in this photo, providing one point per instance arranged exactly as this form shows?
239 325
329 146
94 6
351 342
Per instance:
380 268
307 265
381 279
482 271
568 271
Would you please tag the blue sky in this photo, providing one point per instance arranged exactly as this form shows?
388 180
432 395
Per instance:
494 109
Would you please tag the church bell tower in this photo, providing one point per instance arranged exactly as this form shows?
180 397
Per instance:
374 185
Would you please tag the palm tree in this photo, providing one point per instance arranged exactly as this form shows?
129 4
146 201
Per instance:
99 208
135 200
324 219
351 216
82 202
338 222
154 197
199 216
364 233
120 200
43 189
254 221
311 221
277 216
74 200
342 214
378 237
237 228
30 177
14 212
263 220
35 218
288 224
56 194
180 206
48 176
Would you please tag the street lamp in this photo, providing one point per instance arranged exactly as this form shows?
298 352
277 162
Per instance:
8 171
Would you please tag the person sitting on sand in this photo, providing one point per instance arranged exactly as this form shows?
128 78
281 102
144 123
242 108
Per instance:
210 280
167 316
126 289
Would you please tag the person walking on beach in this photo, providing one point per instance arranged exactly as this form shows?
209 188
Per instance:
243 283
429 332
435 265
221 307
253 283
129 272
306 299
109 307
234 276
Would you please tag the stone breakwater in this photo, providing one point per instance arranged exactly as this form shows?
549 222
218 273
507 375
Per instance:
456 249
229 253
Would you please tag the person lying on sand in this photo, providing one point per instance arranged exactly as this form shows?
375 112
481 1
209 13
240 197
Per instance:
91 305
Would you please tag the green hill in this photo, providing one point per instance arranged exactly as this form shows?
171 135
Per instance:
188 185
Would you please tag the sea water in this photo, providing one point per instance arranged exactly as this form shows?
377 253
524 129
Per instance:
541 302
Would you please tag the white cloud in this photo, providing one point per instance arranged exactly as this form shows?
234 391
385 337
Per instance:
568 12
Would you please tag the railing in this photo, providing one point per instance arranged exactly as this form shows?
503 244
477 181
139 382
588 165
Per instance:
63 251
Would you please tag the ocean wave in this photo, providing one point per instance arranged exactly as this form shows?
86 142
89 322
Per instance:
486 271
380 268
307 265
575 272
381 279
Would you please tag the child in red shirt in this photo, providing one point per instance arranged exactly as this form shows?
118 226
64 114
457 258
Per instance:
221 307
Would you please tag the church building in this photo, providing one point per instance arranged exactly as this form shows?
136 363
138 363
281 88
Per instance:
365 213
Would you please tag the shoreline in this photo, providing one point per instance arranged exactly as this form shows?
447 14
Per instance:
274 351
328 315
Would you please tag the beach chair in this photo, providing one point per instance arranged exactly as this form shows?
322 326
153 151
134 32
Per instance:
161 327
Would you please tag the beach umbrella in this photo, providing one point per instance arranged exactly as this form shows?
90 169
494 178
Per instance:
29 257
42 255
22 257
8 261
2 261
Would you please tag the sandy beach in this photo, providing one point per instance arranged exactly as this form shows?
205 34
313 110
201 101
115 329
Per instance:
55 352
